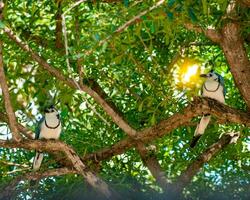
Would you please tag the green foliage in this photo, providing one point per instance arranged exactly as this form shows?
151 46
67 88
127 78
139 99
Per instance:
134 68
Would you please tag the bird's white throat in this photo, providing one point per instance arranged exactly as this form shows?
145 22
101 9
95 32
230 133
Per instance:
52 119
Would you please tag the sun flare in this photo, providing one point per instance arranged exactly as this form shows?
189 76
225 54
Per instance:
191 71
186 74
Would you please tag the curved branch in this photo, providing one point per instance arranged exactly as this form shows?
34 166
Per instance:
58 146
186 177
196 108
212 34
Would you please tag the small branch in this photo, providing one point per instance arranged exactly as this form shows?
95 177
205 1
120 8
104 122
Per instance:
39 59
29 134
59 43
13 164
8 191
212 34
3 82
187 176
127 24
150 161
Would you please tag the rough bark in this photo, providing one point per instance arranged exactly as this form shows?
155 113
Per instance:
196 108
212 34
235 53
52 146
244 2
232 44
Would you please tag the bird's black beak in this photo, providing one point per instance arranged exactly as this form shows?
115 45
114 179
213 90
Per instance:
203 75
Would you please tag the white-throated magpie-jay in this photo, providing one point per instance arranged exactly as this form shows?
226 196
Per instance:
49 127
214 88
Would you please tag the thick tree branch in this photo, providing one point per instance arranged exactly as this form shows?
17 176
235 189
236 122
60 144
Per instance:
3 82
212 34
187 176
232 44
236 55
149 159
58 146
7 192
196 108
95 91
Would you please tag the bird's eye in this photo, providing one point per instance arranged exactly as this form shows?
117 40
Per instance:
210 75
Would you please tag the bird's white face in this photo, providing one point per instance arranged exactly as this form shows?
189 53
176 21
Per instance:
50 112
210 76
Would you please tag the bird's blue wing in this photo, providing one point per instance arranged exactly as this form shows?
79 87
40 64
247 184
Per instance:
38 128
221 81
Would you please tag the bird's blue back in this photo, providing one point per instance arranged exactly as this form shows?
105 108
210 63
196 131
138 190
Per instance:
221 81
38 128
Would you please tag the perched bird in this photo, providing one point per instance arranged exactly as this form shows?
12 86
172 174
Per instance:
49 127
214 88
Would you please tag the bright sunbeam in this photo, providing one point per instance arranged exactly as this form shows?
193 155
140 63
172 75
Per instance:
186 74
191 71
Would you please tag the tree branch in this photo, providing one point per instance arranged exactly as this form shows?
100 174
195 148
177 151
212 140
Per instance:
58 146
196 108
3 82
212 34
7 192
131 21
29 134
58 31
232 43
236 55
186 177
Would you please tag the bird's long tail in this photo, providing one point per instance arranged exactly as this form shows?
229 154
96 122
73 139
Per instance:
200 129
37 161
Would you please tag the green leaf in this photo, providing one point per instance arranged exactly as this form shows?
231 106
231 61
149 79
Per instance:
205 7
192 14
2 25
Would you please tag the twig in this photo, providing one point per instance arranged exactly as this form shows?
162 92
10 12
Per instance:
7 191
13 164
128 23
186 177
64 27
